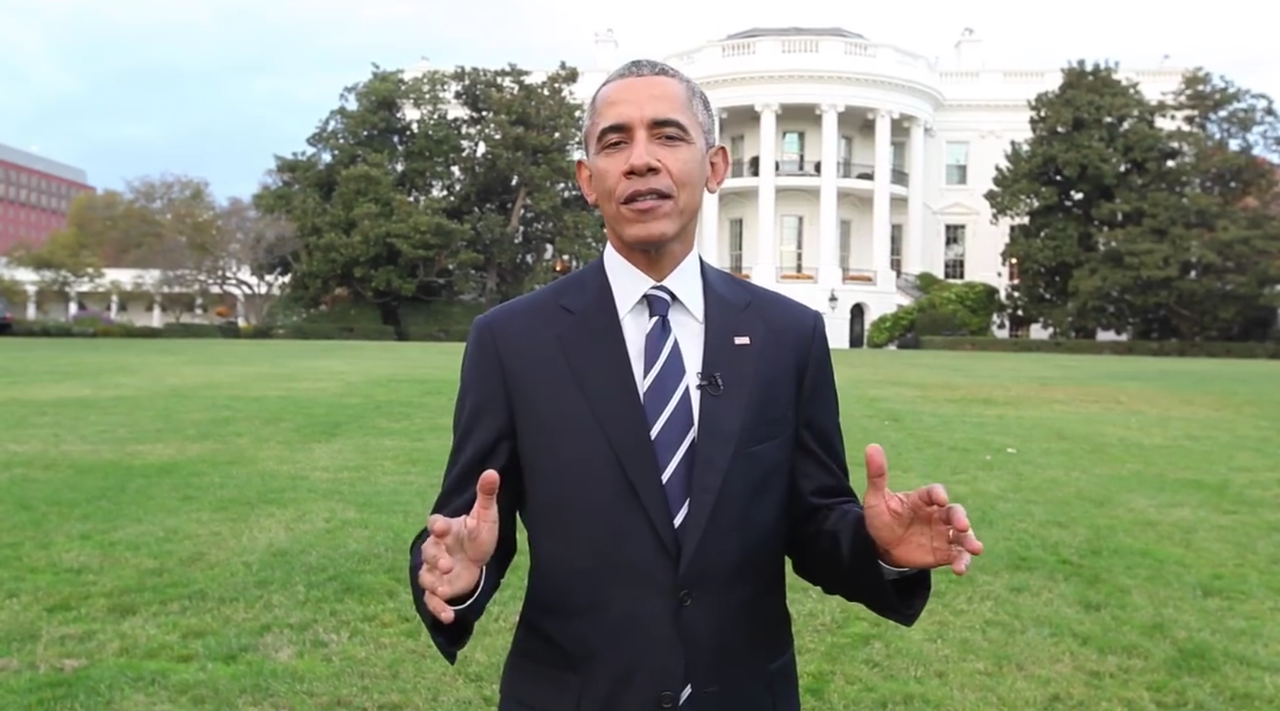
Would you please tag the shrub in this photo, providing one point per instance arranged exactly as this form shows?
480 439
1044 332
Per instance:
962 309
1197 349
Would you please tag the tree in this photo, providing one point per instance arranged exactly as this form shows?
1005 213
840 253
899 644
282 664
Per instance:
175 232
12 291
252 254
1151 218
1095 153
96 235
1201 264
66 261
105 223
517 194
1226 288
367 200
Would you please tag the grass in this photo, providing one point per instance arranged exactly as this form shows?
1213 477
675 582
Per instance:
217 525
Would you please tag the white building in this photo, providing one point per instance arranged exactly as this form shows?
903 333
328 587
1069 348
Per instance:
878 162
857 165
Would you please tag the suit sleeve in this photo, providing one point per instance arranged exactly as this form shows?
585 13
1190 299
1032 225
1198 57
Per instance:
483 438
828 541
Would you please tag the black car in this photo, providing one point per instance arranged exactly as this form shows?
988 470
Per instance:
6 316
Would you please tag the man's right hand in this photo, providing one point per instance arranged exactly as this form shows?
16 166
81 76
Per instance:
457 548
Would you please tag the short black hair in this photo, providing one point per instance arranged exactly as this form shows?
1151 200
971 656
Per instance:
639 68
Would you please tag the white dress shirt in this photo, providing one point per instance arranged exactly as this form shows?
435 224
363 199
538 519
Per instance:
687 315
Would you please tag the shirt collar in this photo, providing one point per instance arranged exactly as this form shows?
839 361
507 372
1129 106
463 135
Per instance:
629 283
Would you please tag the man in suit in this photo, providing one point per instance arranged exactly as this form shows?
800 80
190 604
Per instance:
669 435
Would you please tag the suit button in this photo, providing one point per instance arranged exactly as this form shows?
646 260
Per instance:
666 700
685 598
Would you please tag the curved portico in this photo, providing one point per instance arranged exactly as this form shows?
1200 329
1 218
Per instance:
826 132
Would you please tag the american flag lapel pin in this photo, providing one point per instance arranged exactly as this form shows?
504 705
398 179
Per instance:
742 340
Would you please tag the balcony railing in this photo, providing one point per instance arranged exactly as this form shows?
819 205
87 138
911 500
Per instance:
854 275
804 168
798 167
800 274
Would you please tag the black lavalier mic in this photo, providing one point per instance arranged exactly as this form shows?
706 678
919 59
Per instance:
710 383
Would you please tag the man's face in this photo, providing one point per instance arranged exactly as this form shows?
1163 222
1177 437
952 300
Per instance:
647 166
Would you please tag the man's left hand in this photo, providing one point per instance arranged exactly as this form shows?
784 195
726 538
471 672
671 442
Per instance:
918 529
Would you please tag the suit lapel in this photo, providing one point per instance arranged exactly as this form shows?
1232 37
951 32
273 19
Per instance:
732 340
597 355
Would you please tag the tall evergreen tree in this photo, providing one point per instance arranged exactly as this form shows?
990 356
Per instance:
517 194
1207 268
367 200
1070 191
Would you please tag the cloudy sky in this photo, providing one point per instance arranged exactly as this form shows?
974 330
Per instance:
216 87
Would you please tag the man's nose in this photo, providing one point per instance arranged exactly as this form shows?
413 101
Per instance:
641 160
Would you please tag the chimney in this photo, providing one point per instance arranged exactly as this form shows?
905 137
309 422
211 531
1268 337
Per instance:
606 50
969 51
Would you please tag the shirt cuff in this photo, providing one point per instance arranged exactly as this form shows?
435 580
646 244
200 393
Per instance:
476 594
891 572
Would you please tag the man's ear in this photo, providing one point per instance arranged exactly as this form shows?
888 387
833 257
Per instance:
717 168
584 182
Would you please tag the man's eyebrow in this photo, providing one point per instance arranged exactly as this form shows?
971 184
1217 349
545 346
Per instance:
621 129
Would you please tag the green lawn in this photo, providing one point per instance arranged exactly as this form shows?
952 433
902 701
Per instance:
224 525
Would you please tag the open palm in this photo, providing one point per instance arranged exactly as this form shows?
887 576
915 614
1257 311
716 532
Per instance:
919 529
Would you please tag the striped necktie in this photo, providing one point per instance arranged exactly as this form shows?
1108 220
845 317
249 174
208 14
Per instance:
668 403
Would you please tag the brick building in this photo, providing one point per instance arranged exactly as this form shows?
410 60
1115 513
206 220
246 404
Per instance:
35 194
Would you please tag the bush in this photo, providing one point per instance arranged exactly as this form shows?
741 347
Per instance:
192 330
955 309
892 326
437 321
328 332
1194 349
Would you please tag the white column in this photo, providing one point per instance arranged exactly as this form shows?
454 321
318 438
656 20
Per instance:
240 317
115 305
710 225
913 238
73 305
830 270
32 310
880 218
765 270
156 319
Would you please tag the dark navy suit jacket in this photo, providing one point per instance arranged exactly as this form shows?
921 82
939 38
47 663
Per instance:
617 615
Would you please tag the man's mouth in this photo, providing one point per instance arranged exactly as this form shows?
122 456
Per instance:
646 195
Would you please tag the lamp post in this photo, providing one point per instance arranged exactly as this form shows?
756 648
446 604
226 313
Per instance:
833 301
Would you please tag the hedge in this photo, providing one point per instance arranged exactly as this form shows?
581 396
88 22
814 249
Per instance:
1193 349
302 331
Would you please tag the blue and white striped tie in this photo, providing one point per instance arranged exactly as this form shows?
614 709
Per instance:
668 403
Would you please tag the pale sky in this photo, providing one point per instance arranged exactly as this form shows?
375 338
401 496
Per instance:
213 88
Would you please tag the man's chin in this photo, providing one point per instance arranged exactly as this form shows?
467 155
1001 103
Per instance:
648 238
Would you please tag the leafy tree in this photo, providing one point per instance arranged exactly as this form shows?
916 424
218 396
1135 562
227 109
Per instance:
251 255
1208 267
517 194
1095 153
174 230
12 291
105 222
367 199
1152 218
64 262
